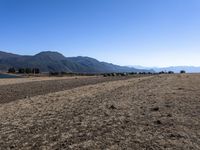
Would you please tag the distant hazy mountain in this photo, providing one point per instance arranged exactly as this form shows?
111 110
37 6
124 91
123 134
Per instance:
54 61
176 69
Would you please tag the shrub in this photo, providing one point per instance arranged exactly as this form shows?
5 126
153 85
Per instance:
28 70
21 70
182 71
54 73
162 72
170 72
11 70
36 70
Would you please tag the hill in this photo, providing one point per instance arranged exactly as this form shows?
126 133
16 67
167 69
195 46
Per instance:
54 61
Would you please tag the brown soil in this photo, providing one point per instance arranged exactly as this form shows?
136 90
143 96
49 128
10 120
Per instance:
39 86
157 112
33 79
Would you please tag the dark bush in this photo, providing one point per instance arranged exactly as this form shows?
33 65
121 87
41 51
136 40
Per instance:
28 70
21 70
105 75
162 72
142 73
11 70
182 71
170 72
132 73
35 70
54 73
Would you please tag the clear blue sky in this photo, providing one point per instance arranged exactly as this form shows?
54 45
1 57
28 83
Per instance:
124 32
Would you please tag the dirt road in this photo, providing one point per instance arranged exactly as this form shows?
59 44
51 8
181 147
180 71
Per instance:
157 112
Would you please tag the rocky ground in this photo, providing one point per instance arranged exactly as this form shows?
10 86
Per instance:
154 112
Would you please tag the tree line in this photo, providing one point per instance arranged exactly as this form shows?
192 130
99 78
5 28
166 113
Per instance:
24 70
37 71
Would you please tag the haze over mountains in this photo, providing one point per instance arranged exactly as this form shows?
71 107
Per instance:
49 61
176 69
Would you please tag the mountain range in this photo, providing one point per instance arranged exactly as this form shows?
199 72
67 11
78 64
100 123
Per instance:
49 61
176 69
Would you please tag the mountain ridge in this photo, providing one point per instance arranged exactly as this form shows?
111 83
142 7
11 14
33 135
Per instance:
52 61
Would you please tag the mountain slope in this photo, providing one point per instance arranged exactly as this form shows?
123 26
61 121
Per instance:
54 61
4 55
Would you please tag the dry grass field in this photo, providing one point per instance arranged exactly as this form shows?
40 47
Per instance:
151 113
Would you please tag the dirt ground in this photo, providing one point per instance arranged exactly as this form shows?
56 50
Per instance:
33 79
40 86
155 112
